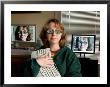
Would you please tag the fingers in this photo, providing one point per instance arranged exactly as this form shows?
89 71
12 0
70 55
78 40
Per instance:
51 62
45 61
46 56
49 54
42 56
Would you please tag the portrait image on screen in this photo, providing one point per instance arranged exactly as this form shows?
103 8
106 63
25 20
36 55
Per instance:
23 33
83 43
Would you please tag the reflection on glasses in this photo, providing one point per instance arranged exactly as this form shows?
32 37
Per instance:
52 31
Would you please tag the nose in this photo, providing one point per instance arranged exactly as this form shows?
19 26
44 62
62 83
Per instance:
54 33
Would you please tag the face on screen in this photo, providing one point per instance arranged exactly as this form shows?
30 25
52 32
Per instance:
83 43
24 33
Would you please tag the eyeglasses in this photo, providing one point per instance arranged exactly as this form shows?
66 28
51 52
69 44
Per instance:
83 42
52 31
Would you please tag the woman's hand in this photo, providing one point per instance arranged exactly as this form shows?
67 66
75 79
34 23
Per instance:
45 60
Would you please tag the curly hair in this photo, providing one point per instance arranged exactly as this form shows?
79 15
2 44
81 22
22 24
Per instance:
43 33
17 31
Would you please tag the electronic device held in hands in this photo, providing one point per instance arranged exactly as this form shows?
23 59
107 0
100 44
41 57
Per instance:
38 53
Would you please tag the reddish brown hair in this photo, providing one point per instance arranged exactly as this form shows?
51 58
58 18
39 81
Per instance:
43 33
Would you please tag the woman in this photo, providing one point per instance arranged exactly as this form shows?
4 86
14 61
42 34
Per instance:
60 56
22 33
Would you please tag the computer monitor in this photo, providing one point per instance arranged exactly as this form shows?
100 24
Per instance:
83 43
23 33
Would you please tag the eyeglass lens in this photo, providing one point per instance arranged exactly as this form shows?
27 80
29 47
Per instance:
51 31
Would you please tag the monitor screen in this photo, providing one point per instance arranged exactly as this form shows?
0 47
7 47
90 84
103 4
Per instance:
23 33
83 43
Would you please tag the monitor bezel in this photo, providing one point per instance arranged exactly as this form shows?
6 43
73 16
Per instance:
84 52
24 41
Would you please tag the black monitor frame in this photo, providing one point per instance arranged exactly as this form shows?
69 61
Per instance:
79 51
31 27
19 44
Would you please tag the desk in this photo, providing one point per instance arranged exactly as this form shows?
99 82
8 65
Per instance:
89 68
16 64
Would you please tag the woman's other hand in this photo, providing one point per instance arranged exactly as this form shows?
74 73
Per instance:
45 61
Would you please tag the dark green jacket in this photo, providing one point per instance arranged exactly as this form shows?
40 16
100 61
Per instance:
66 61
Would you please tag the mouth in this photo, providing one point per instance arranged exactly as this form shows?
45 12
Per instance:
53 38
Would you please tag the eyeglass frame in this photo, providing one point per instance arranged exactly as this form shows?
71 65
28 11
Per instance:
54 31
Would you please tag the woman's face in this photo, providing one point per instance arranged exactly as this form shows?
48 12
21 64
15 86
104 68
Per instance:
23 35
54 33
83 44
